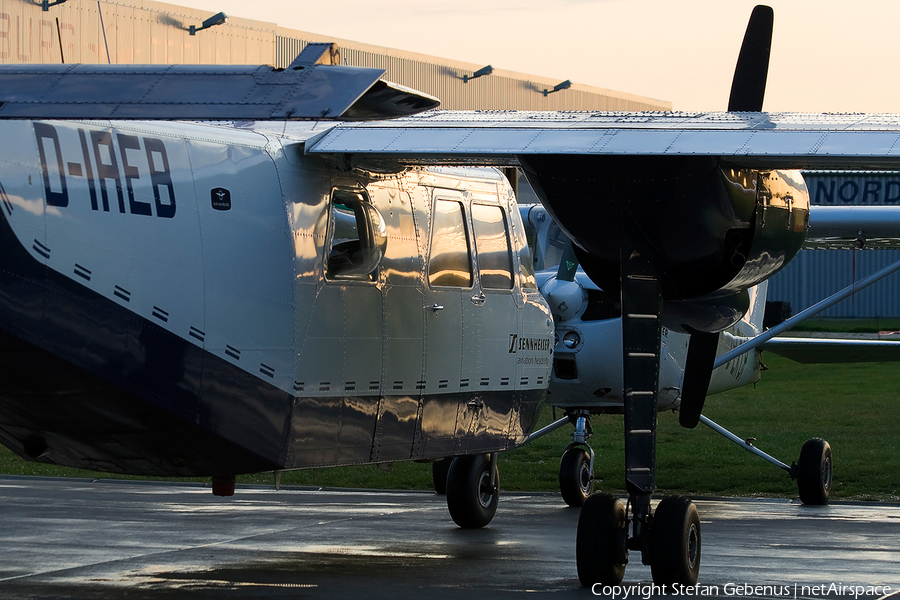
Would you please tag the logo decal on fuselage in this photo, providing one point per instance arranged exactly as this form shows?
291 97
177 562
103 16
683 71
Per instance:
528 344
221 198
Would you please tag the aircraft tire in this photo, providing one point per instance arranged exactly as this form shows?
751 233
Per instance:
471 498
675 542
814 472
439 469
600 551
576 482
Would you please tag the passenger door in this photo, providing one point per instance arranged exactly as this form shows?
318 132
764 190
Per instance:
450 279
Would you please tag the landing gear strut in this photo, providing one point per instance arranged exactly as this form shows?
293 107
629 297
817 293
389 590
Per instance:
669 540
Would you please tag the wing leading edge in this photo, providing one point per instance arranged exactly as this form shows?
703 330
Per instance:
752 140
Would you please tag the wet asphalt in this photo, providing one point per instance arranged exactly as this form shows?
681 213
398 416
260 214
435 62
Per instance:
65 538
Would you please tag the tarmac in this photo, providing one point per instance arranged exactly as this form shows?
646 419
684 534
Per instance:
78 538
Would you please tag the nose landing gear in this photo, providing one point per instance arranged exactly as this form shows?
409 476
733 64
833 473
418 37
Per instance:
576 468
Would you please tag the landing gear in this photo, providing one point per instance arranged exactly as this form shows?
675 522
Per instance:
439 470
600 544
669 541
814 471
576 478
576 469
675 542
473 490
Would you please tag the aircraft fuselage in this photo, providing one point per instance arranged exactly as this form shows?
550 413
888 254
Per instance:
183 299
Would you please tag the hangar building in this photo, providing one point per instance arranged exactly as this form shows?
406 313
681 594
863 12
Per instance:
147 32
816 274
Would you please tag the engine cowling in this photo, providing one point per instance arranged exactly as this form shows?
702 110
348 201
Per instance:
716 230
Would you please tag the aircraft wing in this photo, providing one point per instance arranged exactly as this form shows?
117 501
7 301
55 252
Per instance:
203 92
812 350
751 140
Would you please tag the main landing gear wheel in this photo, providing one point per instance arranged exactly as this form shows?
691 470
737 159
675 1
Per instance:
675 542
814 472
439 470
600 551
575 478
472 493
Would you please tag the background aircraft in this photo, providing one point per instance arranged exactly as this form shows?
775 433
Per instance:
587 376
215 299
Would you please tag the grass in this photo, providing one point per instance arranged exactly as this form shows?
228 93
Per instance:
853 406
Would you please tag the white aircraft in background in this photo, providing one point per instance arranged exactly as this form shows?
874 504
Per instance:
587 374
328 289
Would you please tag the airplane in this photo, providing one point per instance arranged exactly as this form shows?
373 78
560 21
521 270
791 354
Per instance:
587 374
346 283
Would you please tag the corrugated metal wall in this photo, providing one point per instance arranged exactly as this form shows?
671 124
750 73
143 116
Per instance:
147 32
142 32
494 92
816 274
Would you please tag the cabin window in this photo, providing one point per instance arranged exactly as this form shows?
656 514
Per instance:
492 244
450 263
358 238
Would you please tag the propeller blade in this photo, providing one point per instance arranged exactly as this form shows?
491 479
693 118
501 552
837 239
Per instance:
698 368
568 264
748 88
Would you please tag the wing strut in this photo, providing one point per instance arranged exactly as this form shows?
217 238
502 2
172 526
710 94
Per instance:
805 314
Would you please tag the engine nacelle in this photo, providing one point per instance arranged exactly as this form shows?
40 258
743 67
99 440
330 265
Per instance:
716 230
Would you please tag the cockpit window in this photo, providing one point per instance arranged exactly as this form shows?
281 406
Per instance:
492 243
358 238
526 268
450 263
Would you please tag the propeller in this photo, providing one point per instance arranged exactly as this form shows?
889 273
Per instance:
748 88
698 368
